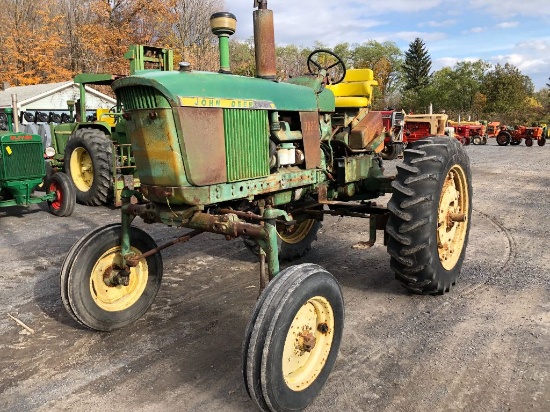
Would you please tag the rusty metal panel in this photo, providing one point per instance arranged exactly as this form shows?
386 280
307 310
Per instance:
368 129
311 133
246 143
203 143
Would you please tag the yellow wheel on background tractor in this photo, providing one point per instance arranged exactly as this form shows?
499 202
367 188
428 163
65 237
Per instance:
82 169
451 220
88 162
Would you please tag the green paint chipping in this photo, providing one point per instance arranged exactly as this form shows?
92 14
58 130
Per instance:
246 143
142 97
25 161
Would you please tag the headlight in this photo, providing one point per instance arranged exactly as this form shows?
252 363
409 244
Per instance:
49 152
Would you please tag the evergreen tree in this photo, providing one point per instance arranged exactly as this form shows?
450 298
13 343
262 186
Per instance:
418 64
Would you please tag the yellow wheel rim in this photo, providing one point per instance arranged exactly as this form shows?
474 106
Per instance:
308 343
119 297
82 169
452 221
297 232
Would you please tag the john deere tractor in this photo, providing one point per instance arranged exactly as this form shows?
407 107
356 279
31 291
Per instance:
94 150
23 169
265 160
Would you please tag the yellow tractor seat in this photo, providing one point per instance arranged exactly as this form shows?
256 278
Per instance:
103 115
355 90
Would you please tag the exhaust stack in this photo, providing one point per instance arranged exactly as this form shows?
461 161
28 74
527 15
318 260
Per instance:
223 25
264 41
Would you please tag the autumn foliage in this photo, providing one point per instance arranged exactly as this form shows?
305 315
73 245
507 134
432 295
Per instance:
44 42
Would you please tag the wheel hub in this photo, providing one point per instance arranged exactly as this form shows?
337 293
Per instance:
82 171
114 289
452 216
308 343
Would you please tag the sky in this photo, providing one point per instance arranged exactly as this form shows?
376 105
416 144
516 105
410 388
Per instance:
495 31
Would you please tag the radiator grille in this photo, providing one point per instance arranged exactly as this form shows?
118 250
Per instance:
142 97
25 161
246 143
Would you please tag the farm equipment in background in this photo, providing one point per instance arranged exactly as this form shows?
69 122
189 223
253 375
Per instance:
419 126
394 144
266 160
23 168
493 128
469 132
95 151
513 136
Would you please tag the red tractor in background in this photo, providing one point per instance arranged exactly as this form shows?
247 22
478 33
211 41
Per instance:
469 132
418 126
513 136
493 128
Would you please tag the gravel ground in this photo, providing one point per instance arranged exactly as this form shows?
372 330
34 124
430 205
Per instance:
484 346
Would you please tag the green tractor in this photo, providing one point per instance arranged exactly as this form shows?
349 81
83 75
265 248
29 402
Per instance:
95 150
23 169
265 160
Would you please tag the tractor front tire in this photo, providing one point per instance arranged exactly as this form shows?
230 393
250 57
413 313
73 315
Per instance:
88 161
541 141
292 339
88 295
430 212
528 142
65 198
503 138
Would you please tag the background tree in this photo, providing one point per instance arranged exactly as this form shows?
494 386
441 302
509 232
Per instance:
507 90
417 66
386 60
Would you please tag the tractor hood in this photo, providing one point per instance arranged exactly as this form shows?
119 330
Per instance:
206 89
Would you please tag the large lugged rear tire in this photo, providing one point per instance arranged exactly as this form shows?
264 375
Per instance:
88 161
503 138
430 212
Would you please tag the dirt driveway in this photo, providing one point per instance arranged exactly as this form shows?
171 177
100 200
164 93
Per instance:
485 346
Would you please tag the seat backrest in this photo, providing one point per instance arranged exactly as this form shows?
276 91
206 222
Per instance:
103 115
355 90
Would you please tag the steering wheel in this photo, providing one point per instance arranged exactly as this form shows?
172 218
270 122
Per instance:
112 111
325 59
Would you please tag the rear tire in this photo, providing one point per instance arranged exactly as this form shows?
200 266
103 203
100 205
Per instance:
88 161
294 241
541 141
528 142
503 138
65 199
432 194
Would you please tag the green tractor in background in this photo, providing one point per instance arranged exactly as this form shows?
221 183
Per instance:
23 169
266 160
94 150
